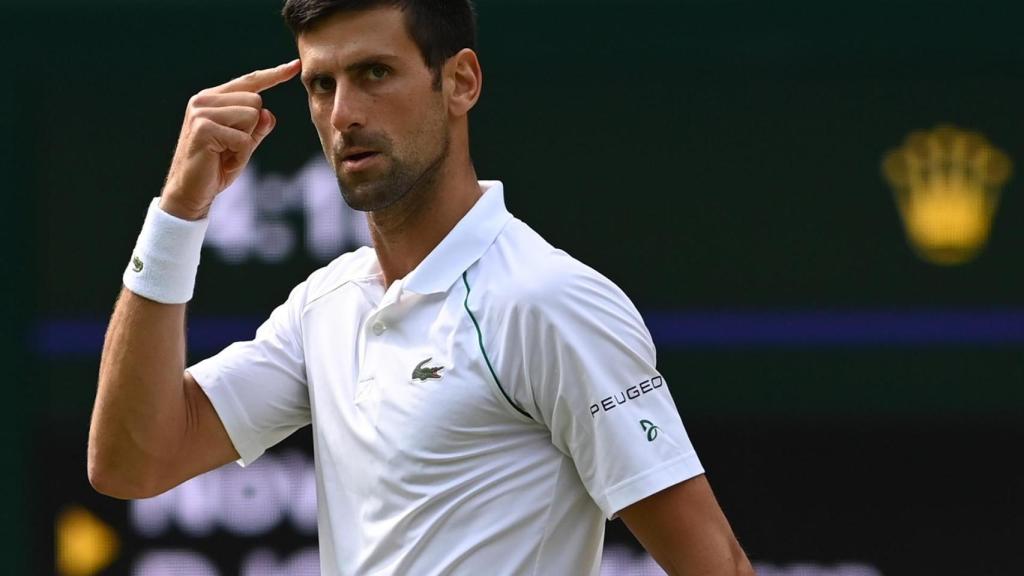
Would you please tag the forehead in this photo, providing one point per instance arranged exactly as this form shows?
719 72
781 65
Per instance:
349 36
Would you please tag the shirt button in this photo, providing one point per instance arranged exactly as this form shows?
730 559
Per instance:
379 328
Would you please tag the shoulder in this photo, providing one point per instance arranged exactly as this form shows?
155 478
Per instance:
524 274
360 263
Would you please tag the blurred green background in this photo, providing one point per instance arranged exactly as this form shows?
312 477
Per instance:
719 160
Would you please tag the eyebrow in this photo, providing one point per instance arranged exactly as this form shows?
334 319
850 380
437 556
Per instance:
371 60
361 64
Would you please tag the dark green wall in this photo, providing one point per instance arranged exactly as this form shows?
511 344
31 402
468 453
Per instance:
17 290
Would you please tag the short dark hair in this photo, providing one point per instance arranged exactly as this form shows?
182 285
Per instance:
440 28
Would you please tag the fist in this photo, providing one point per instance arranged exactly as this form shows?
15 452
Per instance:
223 126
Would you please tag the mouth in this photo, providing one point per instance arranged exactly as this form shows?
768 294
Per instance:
358 159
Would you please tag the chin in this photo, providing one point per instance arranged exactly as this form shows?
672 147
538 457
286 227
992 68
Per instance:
368 196
358 199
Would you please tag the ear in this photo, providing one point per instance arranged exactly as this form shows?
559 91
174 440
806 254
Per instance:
462 82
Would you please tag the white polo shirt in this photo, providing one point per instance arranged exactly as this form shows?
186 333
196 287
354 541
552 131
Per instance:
482 415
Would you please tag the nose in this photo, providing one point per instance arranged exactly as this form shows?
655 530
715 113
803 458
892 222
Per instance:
349 111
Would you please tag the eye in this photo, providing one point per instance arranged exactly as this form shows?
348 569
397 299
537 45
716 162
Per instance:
321 85
378 72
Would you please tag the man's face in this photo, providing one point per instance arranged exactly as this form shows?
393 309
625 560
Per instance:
382 124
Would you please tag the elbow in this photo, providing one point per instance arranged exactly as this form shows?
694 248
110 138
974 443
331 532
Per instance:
745 569
118 483
105 483
741 562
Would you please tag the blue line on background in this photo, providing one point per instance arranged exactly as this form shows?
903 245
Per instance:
79 338
82 338
817 328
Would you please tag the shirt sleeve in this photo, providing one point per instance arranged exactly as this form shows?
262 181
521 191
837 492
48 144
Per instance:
258 388
591 368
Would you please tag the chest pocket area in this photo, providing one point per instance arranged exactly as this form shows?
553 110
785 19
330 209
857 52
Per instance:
434 410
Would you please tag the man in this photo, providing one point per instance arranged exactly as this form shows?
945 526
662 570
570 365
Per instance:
480 401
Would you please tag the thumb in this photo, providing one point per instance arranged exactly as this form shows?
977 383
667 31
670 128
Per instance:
265 126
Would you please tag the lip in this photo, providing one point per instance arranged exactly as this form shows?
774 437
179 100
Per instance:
357 159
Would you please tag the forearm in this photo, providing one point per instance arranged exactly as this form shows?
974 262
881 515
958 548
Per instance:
140 411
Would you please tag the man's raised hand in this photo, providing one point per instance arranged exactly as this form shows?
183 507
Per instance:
223 126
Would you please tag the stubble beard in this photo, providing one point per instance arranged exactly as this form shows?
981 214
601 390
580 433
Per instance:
398 181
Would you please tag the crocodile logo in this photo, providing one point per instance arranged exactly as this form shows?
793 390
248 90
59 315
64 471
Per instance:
136 264
650 429
422 373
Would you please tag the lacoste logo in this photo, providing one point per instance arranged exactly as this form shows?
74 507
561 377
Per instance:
422 373
650 429
136 264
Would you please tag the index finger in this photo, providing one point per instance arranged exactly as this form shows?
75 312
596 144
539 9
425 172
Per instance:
261 80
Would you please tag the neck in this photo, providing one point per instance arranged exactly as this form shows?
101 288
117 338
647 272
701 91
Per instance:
407 231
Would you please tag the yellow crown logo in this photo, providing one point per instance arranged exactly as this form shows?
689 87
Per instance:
947 184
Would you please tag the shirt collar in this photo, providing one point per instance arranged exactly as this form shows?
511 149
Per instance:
464 245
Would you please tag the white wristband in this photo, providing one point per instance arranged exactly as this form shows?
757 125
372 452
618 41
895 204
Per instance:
166 258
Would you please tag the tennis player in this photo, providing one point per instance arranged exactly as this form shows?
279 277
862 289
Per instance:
480 401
